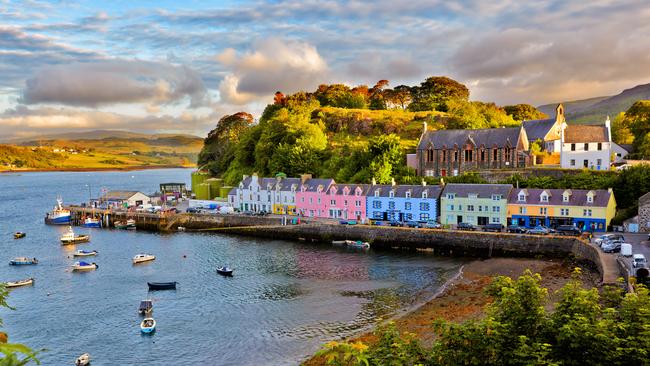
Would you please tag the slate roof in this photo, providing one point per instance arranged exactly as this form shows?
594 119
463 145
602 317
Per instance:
233 192
312 184
352 188
487 137
118 195
578 197
286 183
433 191
463 190
585 133
538 128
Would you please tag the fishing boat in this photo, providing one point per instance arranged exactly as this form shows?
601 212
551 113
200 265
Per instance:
84 266
92 222
85 253
25 282
125 225
162 285
358 244
58 215
146 307
71 238
225 271
21 261
143 257
148 325
83 360
19 234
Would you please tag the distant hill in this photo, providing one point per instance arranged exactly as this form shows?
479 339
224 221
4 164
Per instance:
94 135
596 110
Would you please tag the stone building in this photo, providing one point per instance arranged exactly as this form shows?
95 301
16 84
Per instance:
453 152
644 213
549 131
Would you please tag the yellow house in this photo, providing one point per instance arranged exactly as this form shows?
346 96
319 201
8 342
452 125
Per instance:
588 210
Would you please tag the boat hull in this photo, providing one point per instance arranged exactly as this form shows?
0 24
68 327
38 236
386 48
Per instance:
19 235
80 239
19 283
161 285
78 254
224 273
20 263
60 220
138 261
92 224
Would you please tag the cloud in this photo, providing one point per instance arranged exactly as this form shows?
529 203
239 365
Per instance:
273 65
109 82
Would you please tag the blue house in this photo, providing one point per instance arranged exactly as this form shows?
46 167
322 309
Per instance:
393 202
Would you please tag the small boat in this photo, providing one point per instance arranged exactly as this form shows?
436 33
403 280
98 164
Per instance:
139 258
85 253
21 261
162 285
358 244
19 234
58 215
92 222
71 238
125 225
225 271
148 325
146 307
25 282
84 266
83 360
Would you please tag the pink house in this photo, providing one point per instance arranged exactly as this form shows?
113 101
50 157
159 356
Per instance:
312 197
347 201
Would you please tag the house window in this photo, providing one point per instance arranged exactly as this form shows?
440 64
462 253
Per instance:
408 194
357 192
391 194
522 210
495 209
590 199
495 154
564 212
599 162
600 146
424 206
357 203
450 196
424 217
586 146
586 213
455 155
409 217
468 155
544 198
377 193
573 162
407 205
444 156
496 220
543 210
302 199
311 200
496 197
345 203
424 195
480 208
450 207
318 200
565 198
391 205
376 204
482 155
470 207
573 147
429 173
522 197
377 215
508 153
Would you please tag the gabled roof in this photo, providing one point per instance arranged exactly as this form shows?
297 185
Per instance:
286 183
585 133
487 137
538 128
119 195
400 190
463 190
352 188
311 185
578 197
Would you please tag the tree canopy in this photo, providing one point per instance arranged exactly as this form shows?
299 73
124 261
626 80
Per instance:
637 120
219 146
436 92
524 112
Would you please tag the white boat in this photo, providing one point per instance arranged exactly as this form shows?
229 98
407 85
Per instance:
83 360
59 215
25 282
148 325
353 243
85 253
84 266
92 222
139 258
23 261
71 238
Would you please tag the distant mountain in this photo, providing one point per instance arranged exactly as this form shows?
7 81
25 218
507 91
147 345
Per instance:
95 135
595 110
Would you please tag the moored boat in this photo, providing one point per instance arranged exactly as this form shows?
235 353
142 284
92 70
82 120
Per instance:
71 238
358 244
83 360
92 222
148 325
19 234
85 253
146 307
143 257
84 266
225 271
21 261
162 285
25 282
58 215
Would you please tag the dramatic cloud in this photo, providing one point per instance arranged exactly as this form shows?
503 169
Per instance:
273 65
114 81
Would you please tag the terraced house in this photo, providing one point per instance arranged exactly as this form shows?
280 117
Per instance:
402 202
478 204
311 198
585 209
347 201
277 195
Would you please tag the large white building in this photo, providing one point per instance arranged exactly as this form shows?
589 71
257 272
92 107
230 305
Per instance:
586 146
271 195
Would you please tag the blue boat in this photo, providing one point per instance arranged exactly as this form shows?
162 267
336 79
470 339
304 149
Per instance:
148 325
92 222
23 261
58 215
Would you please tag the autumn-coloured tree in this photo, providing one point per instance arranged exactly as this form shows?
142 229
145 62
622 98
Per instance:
524 112
279 98
436 92
398 97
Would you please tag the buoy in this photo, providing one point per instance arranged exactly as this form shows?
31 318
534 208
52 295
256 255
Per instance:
184 256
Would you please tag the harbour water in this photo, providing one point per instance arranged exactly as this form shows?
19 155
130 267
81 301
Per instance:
284 301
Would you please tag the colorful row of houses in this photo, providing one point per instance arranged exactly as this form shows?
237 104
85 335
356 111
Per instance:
478 204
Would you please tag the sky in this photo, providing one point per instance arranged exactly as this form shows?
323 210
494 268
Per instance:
179 66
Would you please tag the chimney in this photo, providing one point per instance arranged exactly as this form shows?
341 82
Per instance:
374 182
424 184
392 182
424 130
608 126
304 178
254 178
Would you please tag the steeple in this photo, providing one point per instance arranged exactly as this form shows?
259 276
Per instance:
559 113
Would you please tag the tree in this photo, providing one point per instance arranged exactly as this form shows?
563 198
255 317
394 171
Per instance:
637 119
279 99
14 354
434 94
473 115
220 144
400 96
621 133
524 112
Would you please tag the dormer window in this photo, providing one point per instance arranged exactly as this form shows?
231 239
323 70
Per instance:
424 194
590 199
522 197
391 194
377 193
408 194
543 197
357 192
565 198
450 196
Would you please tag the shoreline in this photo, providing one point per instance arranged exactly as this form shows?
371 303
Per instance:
116 169
462 297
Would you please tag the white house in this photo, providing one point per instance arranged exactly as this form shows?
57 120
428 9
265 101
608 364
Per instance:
547 130
620 152
277 195
130 198
586 146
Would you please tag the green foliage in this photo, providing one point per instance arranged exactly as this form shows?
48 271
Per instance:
621 133
524 112
220 144
536 147
436 92
344 354
14 354
24 157
470 177
637 120
584 328
474 115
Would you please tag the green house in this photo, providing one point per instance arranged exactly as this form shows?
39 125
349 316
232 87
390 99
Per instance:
478 204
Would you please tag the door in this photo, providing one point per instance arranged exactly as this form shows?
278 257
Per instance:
482 220
443 172
459 219
585 163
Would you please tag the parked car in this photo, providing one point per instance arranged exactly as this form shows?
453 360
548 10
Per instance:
260 213
395 223
247 213
517 229
638 261
466 226
413 224
193 210
432 224
539 230
609 242
605 237
612 247
568 230
497 228
378 223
